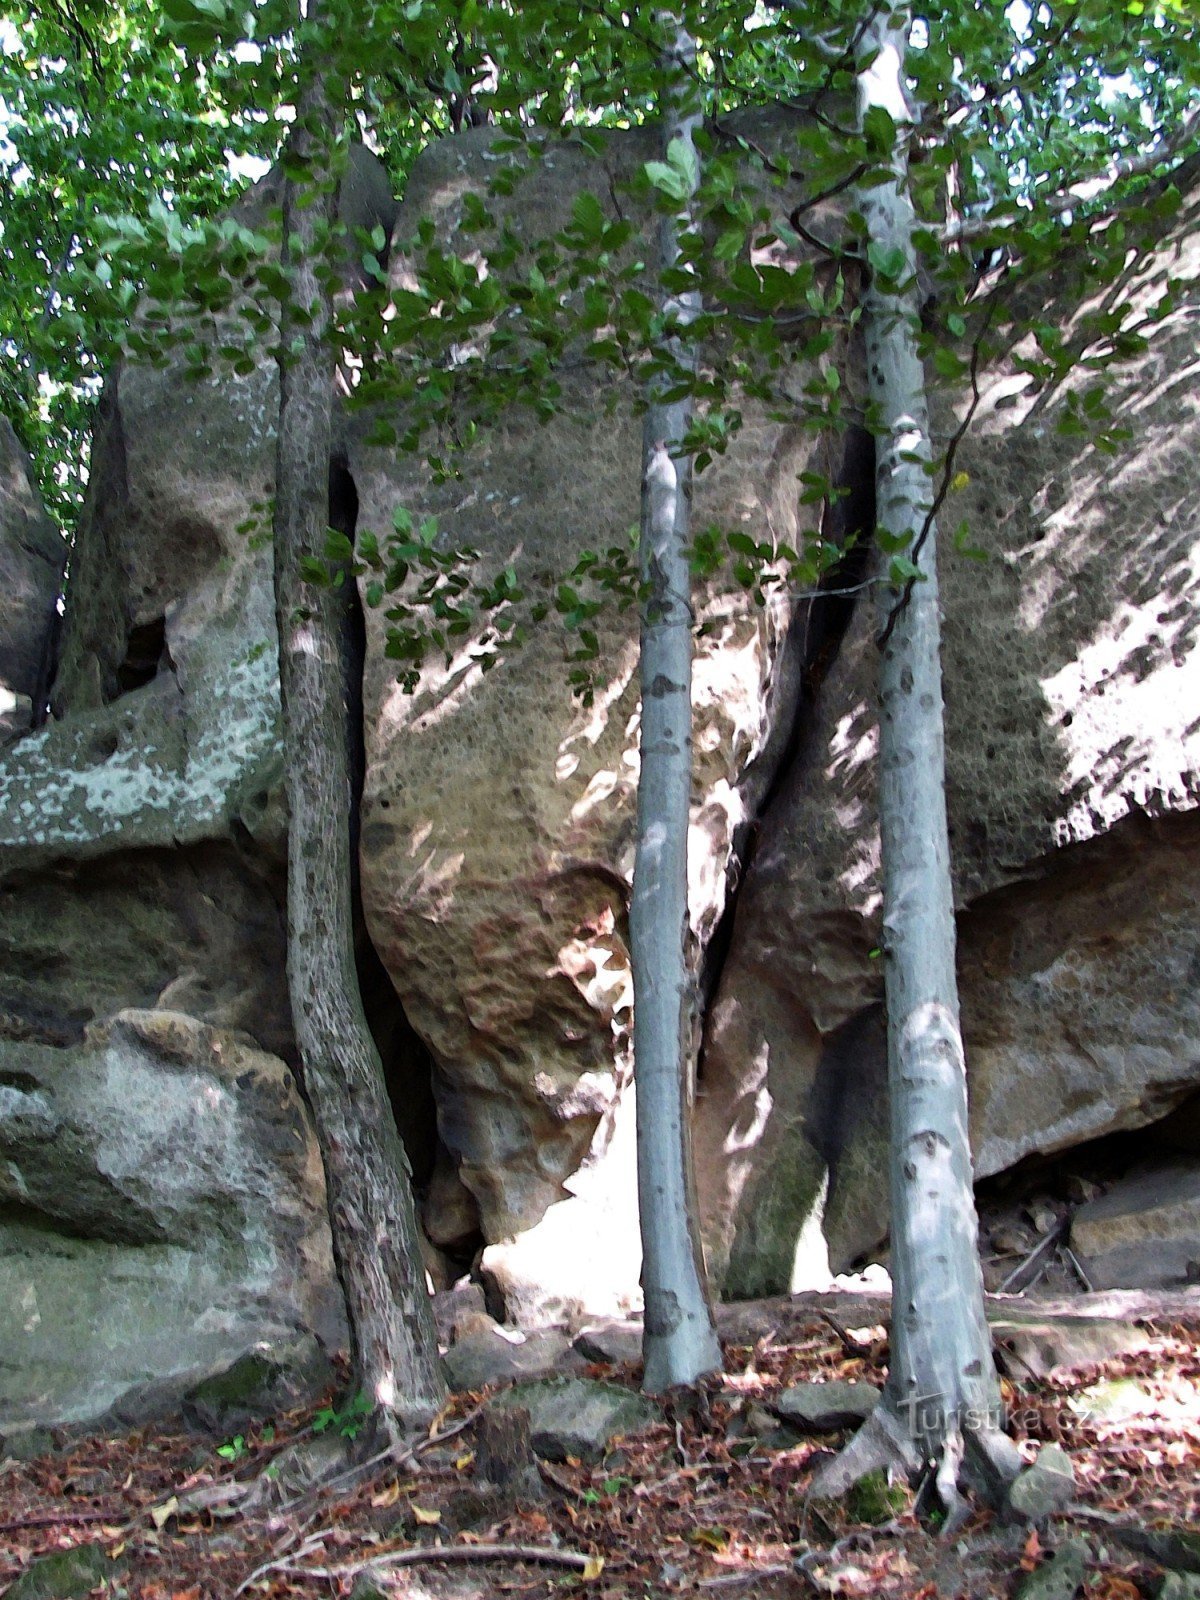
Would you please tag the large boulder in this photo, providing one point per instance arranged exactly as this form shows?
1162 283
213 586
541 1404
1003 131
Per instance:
498 813
164 1216
32 556
1073 751
163 1207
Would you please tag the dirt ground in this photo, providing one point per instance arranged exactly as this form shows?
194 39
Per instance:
712 1500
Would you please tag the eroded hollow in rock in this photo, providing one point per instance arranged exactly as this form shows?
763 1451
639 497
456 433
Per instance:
146 653
1131 1198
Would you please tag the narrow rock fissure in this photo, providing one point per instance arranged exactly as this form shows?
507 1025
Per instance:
813 640
407 1064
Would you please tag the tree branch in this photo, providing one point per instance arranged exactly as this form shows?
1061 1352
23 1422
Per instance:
1117 171
451 1554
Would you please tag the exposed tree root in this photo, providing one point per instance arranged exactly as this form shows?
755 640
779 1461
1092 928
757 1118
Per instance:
983 1460
882 1442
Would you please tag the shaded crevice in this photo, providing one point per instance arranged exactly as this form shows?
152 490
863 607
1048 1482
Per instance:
110 1219
809 650
407 1064
146 655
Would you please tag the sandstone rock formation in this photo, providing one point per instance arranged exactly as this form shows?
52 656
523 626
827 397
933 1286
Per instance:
498 814
164 1212
163 1204
153 1149
1145 1232
1072 679
32 556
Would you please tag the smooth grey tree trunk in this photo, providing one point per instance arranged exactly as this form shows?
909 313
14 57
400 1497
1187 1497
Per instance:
393 1339
680 1343
941 1389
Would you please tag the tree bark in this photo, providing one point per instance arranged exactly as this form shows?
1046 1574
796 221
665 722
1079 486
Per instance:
941 1386
393 1339
679 1342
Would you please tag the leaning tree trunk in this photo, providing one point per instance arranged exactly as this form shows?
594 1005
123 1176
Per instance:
941 1391
680 1342
393 1340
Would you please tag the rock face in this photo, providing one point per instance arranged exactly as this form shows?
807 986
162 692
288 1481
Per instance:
1145 1232
161 1197
32 556
156 1167
162 1204
498 815
1071 680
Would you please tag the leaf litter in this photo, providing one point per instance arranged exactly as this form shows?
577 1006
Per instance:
710 1501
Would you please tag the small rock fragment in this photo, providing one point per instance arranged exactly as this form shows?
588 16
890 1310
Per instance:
1180 1586
824 1407
577 1416
1061 1576
615 1343
487 1356
1045 1488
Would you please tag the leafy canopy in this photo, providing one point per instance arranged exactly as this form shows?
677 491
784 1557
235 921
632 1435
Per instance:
1035 132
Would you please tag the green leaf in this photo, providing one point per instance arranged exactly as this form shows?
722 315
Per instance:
730 244
879 131
902 570
313 570
681 154
588 216
669 180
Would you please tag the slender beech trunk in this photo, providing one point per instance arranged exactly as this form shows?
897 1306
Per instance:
680 1341
941 1390
393 1340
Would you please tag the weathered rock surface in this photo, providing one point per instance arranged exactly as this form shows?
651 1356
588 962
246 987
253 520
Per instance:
64 1574
492 1355
140 839
32 556
1045 1488
164 1216
825 1407
1145 1232
1071 681
1061 1574
614 1344
578 1416
163 1204
498 815
198 929
167 691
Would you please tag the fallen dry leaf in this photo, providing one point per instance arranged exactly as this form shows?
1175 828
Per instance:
162 1514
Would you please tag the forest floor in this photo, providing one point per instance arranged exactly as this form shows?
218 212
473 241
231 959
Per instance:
707 1502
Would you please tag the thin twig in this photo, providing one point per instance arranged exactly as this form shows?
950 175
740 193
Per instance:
69 1519
1077 1268
728 1578
1042 1248
561 1483
852 1346
309 1544
390 1455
